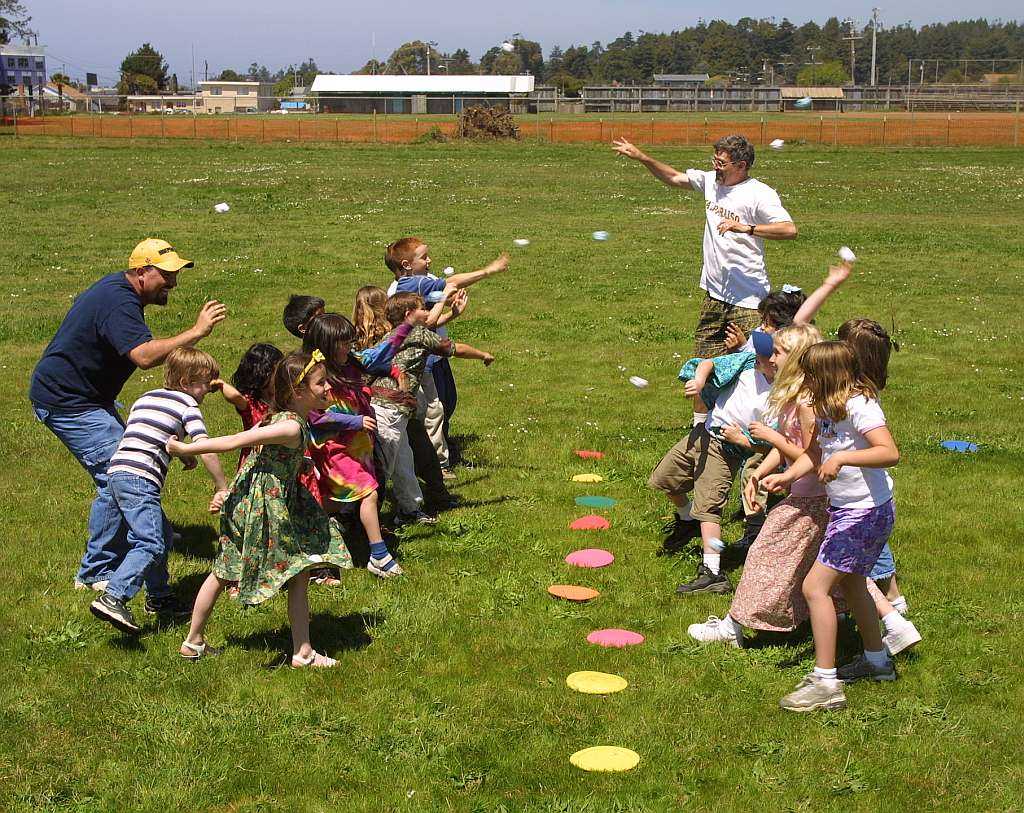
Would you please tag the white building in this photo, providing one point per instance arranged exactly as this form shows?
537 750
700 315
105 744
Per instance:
362 93
236 97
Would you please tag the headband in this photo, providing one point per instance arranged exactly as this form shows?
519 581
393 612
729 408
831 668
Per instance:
316 358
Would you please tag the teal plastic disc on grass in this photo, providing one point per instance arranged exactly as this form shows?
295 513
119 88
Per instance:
595 502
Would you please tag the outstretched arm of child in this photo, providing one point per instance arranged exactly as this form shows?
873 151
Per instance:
376 360
465 351
496 266
230 393
436 312
880 455
457 306
700 378
771 463
282 433
837 275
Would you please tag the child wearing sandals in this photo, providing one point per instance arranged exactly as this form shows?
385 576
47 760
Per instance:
768 596
343 434
851 450
273 531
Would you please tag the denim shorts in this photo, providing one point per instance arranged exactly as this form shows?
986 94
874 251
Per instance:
885 566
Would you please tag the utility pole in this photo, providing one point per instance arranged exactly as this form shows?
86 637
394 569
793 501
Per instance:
812 50
874 44
206 71
852 37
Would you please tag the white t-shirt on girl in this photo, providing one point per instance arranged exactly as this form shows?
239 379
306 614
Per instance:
734 269
855 487
743 402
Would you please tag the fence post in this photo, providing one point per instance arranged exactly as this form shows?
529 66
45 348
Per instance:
195 127
911 124
949 121
131 126
163 130
762 131
337 128
601 123
705 130
1016 126
652 129
375 123
884 119
821 127
551 130
263 130
835 127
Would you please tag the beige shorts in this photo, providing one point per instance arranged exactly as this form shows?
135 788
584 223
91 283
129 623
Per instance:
698 463
715 316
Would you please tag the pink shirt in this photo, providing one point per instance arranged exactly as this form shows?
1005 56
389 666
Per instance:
808 485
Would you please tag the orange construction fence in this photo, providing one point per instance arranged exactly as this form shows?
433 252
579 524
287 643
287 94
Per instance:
963 129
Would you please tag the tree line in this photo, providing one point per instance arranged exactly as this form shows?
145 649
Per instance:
747 51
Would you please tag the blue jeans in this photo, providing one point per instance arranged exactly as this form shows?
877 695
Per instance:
139 502
92 437
885 567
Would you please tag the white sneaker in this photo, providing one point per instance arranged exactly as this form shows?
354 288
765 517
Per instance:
374 566
902 636
716 629
99 587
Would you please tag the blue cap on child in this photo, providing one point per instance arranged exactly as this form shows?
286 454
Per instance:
763 343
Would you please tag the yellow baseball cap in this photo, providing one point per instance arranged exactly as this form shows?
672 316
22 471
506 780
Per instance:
158 253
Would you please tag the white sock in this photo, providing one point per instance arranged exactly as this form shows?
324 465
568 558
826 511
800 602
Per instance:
877 659
716 544
684 512
699 418
713 562
825 674
729 624
893 620
899 604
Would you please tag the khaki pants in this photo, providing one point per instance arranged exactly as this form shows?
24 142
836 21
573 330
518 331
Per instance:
698 463
430 411
393 442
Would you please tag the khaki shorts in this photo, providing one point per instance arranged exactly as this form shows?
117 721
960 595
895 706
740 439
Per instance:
749 467
698 463
715 316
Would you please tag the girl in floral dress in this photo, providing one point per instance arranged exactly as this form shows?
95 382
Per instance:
272 529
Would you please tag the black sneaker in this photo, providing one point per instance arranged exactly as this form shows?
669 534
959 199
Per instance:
678 534
705 582
115 612
167 607
416 518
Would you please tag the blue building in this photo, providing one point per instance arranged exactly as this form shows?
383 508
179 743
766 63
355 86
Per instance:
22 66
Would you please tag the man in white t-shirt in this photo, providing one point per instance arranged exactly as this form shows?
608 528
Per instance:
741 214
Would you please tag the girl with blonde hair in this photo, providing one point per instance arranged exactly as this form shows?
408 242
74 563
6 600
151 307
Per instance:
368 316
768 597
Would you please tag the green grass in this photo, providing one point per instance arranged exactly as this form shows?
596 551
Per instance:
450 693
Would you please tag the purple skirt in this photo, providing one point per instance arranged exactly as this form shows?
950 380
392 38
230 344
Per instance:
855 536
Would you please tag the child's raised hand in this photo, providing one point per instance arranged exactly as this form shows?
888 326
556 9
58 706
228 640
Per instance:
459 302
189 462
838 274
369 424
750 494
735 338
488 359
500 264
692 388
217 384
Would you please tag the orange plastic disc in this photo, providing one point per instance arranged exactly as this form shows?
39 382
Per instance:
572 592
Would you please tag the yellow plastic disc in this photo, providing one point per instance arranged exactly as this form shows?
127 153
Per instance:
596 682
587 478
605 758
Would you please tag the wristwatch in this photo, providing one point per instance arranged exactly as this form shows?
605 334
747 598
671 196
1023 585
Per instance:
751 232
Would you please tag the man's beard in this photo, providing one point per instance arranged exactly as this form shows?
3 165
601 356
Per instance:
719 175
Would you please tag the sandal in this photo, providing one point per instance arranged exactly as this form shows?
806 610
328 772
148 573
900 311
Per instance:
199 651
315 660
325 578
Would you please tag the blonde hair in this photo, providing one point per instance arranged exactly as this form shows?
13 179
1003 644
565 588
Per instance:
368 316
832 376
186 366
788 384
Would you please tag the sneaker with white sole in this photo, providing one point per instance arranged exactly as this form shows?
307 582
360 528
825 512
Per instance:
415 518
115 612
717 630
376 567
860 668
901 637
99 587
814 693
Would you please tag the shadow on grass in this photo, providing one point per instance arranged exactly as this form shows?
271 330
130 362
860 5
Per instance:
197 541
330 634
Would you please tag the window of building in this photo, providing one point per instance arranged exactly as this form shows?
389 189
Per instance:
22 61
10 62
243 91
40 64
215 91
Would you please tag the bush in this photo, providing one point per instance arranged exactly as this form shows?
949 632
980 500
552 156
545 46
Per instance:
487 123
434 135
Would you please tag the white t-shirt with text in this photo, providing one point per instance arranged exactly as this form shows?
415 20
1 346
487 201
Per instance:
854 487
734 270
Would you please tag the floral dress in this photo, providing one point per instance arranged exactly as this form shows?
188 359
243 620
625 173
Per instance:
271 527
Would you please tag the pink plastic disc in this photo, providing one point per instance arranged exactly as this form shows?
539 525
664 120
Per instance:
615 637
591 522
590 557
588 454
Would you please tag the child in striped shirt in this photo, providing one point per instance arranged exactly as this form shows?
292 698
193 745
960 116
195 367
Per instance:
138 469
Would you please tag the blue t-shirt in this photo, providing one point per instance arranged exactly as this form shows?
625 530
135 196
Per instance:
422 284
86 364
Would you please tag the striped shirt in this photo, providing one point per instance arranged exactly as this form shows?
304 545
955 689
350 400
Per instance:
155 418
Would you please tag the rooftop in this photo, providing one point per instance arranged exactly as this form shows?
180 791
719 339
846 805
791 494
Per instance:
363 83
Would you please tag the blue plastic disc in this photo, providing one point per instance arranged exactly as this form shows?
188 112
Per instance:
959 446
595 502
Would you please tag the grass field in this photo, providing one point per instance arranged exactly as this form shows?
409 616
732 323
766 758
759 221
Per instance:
450 693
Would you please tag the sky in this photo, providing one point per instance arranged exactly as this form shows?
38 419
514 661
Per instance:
95 35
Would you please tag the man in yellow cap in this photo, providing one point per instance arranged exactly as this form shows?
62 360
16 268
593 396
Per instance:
74 388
